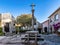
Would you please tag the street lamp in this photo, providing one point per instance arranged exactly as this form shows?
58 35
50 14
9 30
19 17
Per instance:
32 5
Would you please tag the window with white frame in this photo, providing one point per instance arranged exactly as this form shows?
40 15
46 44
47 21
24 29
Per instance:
5 16
56 17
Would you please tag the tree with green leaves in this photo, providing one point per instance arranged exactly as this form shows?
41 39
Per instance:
25 19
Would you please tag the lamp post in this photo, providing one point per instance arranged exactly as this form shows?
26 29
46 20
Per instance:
32 5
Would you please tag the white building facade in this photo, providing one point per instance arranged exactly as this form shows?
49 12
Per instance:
8 22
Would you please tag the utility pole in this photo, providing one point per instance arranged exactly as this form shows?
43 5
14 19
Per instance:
33 5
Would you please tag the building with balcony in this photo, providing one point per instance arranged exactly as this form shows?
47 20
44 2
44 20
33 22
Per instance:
54 20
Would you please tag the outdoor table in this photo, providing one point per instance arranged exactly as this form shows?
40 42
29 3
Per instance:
31 33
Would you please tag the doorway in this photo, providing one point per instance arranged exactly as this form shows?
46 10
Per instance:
45 29
39 29
6 27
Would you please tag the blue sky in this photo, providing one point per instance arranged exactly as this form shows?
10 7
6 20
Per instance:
43 8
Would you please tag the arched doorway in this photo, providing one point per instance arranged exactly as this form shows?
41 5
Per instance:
6 27
45 29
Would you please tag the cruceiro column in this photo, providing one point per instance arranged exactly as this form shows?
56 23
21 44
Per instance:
32 16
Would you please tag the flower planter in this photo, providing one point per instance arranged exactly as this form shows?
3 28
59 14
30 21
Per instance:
58 32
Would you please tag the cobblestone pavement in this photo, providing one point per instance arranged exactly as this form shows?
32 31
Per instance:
48 40
11 44
52 39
